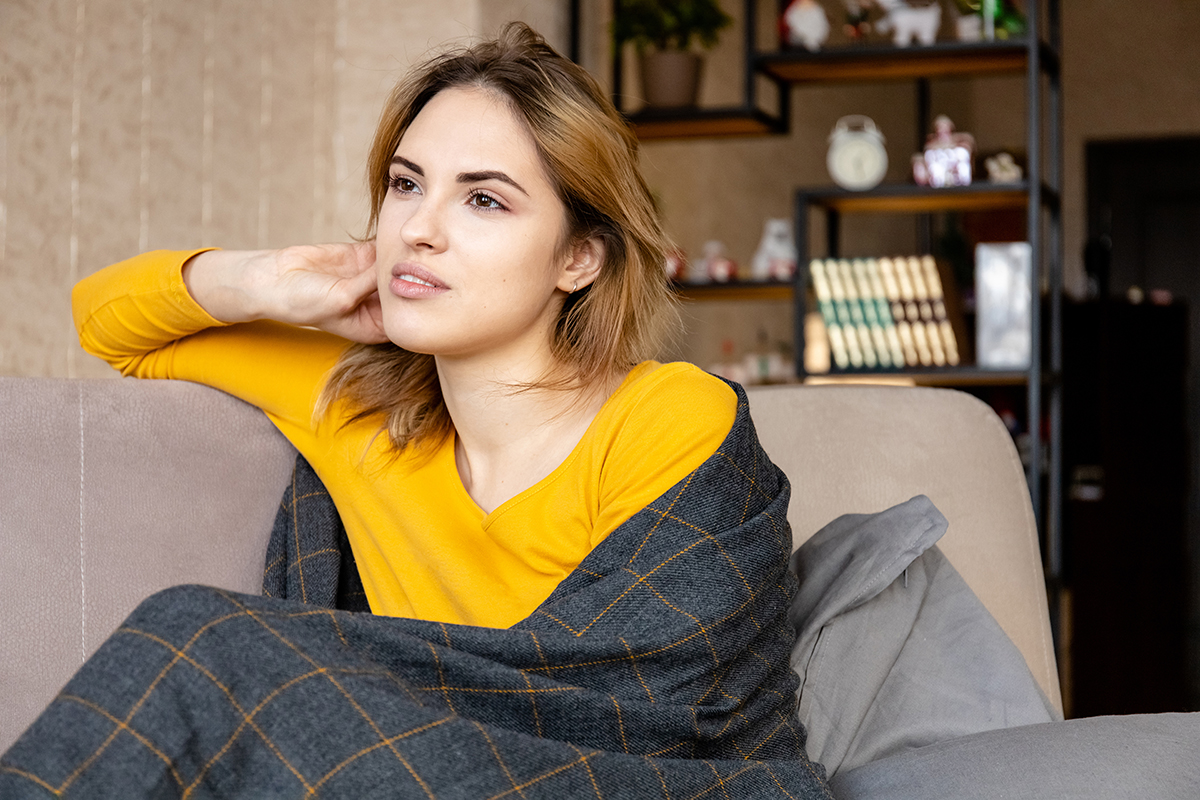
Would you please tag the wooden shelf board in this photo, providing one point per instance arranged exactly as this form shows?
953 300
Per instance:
934 376
919 199
895 63
703 122
744 290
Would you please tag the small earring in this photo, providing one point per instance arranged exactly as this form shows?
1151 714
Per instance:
575 287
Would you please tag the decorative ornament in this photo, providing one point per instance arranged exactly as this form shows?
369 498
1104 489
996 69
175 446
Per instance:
988 19
857 159
857 26
920 172
949 156
805 25
909 20
676 264
776 256
1001 168
713 265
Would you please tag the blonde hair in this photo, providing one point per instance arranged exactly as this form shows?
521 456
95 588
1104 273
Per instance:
622 318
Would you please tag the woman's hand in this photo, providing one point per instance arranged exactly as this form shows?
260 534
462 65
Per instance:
327 286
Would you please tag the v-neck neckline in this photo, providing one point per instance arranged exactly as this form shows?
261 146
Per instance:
450 461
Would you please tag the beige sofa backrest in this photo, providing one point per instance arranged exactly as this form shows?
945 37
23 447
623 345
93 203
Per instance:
857 449
111 490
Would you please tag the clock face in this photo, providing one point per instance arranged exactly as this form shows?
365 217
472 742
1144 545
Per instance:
857 161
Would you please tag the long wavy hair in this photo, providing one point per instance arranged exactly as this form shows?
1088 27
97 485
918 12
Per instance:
622 318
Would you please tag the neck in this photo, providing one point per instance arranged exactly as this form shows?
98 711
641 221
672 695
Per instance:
509 439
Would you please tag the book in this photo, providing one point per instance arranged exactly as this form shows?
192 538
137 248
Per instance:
833 328
941 316
871 311
858 314
933 336
884 311
845 318
899 308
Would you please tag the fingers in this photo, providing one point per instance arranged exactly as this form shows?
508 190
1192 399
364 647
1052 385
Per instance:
355 290
373 320
366 254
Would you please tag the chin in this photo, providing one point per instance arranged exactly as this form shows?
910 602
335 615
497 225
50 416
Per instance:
413 345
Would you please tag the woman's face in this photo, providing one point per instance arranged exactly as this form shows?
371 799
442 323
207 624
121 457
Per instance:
467 248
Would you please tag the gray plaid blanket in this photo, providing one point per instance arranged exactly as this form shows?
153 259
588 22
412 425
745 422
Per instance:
658 668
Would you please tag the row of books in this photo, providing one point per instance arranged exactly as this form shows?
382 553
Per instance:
884 313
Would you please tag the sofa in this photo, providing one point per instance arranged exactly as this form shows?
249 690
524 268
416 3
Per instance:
945 683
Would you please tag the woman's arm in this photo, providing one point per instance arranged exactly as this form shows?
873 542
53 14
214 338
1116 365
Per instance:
143 319
330 287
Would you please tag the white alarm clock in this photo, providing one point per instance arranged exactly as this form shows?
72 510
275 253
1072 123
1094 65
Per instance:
857 159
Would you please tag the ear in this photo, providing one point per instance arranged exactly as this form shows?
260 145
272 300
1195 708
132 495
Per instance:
583 265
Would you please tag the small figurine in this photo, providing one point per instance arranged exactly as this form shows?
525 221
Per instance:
969 28
713 265
676 264
920 172
857 26
948 155
910 20
988 19
775 258
1001 168
805 25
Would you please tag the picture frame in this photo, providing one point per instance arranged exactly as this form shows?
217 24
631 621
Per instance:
1003 305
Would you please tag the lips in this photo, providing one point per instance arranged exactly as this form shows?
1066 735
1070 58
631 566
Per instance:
414 281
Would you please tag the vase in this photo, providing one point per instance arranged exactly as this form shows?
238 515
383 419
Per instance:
670 78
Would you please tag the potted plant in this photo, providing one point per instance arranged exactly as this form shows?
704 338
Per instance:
663 32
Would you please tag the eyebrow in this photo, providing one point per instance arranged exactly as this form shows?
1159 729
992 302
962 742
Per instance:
467 177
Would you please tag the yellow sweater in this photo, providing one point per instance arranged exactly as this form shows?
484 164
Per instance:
424 548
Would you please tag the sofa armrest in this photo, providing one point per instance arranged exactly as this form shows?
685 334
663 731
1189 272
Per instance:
109 491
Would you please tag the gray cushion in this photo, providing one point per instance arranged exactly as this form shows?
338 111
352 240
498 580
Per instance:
895 651
1150 757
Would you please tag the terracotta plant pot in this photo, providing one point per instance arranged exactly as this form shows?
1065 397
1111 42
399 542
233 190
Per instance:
670 79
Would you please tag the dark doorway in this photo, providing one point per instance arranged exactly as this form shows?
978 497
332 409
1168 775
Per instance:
1133 517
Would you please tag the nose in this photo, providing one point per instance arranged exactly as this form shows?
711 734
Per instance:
424 229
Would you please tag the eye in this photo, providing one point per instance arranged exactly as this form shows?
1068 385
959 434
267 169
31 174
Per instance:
402 184
485 201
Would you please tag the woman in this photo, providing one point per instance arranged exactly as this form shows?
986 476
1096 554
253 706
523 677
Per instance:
509 290
471 384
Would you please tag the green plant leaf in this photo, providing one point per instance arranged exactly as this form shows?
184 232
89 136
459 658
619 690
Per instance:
668 24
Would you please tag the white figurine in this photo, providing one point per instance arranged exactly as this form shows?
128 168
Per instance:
949 155
908 22
1001 168
806 24
775 258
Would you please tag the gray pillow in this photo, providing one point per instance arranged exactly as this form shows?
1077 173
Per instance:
1143 756
894 650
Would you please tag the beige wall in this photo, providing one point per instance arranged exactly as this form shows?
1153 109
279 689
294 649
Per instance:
127 125
161 123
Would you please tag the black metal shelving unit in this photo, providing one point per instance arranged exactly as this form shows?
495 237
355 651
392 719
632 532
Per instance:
1036 56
